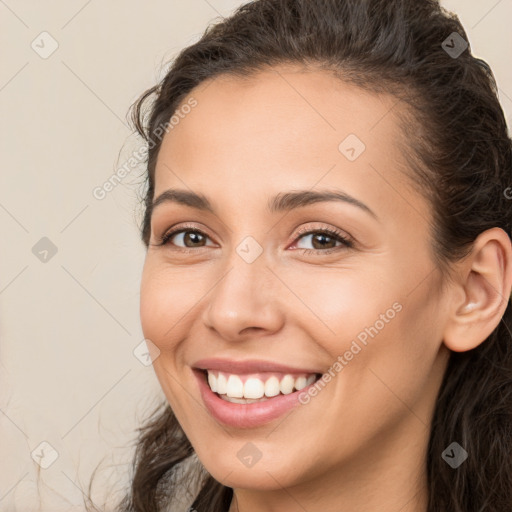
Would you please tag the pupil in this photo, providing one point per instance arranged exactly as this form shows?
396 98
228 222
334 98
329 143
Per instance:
323 237
192 234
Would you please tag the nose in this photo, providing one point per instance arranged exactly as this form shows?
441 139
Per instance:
245 301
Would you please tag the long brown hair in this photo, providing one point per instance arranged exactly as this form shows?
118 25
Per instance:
460 155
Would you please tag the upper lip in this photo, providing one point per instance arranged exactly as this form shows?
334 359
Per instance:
248 366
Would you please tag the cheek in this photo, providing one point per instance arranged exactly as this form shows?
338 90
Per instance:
395 371
338 306
378 328
167 301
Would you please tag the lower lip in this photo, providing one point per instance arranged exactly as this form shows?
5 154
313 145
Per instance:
246 415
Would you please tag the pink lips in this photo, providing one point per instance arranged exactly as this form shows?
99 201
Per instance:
246 415
249 366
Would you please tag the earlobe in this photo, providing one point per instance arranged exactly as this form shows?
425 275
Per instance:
485 287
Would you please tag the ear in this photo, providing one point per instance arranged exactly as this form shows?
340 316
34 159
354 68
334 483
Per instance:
482 291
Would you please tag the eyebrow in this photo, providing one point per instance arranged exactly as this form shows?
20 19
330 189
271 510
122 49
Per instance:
284 201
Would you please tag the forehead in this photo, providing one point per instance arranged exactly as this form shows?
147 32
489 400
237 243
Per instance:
282 128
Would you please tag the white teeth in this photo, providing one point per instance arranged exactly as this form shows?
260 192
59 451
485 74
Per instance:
286 385
235 387
212 381
221 384
272 387
254 389
300 383
242 400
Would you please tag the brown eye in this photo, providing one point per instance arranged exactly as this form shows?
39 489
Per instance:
192 238
324 241
185 237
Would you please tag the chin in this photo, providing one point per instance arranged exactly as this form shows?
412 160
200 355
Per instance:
262 479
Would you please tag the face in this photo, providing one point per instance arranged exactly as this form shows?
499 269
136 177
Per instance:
266 290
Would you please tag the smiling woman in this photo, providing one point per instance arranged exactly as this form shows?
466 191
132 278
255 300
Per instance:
330 221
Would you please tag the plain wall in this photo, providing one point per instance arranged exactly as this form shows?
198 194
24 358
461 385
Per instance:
69 321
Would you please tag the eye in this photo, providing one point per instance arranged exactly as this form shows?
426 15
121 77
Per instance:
190 236
323 239
193 238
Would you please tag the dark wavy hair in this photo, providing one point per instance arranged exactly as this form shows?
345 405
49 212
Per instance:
460 155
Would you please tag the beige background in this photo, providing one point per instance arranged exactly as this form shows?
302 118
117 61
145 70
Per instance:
69 326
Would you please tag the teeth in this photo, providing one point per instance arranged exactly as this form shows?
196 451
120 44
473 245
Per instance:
242 400
310 380
272 387
300 383
212 381
235 387
286 385
221 383
254 388
235 390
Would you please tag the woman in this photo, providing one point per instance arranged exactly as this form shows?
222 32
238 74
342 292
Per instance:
329 266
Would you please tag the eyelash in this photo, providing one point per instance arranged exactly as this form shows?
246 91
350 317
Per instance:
333 233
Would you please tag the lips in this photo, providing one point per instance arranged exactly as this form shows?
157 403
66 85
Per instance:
249 393
249 366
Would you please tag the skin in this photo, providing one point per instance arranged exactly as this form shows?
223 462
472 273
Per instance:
360 444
